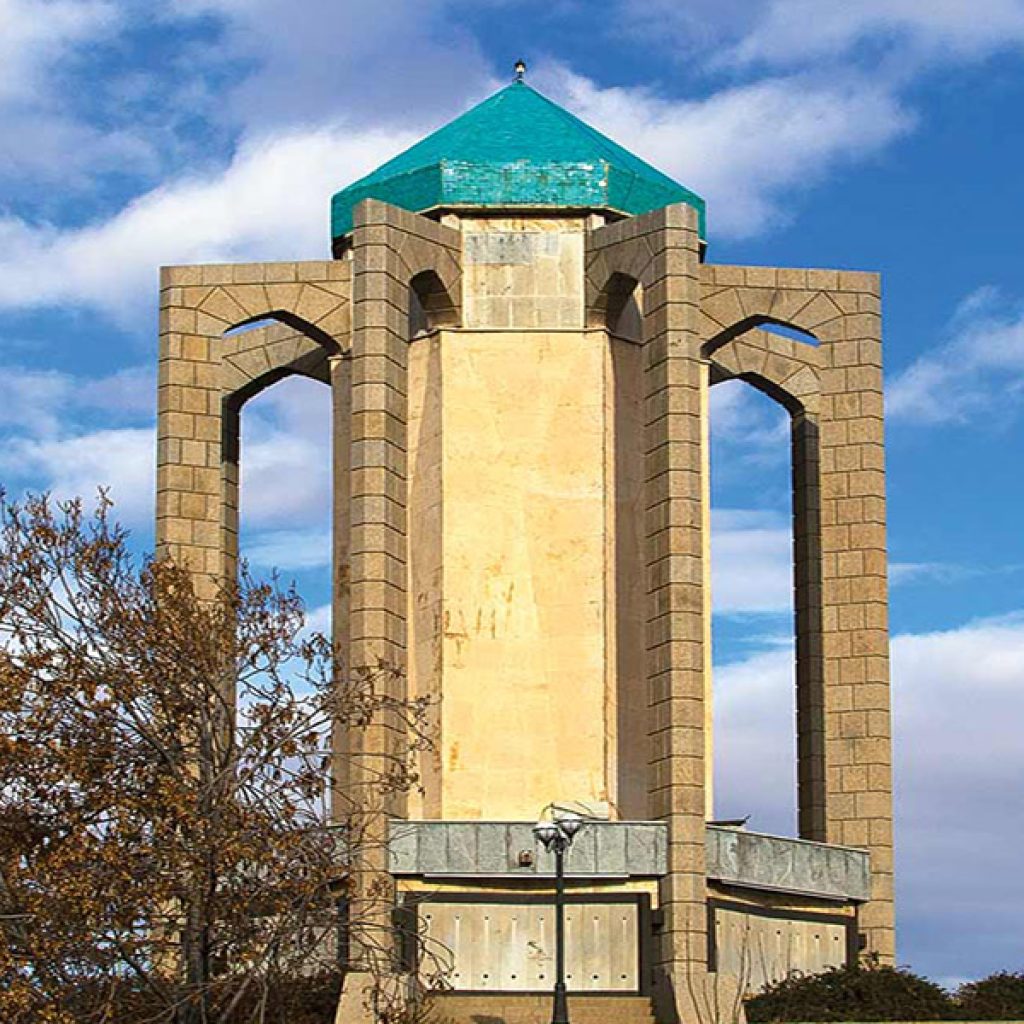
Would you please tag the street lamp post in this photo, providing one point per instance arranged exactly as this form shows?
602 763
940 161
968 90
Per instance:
556 837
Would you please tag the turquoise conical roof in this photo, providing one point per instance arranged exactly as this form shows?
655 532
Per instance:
516 150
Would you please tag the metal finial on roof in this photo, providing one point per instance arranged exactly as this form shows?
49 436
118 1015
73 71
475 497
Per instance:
520 69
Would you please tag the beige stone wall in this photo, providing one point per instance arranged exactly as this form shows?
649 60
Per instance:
526 595
516 643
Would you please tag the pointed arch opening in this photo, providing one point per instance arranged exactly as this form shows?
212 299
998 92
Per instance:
754 675
284 318
281 456
279 417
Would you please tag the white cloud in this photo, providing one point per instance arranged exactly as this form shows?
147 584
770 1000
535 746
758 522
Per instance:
981 360
396 63
755 744
930 572
318 620
746 149
289 549
37 34
50 440
959 763
127 392
286 469
46 403
751 563
32 400
43 137
285 479
740 148
908 573
271 202
743 417
121 461
791 31
751 549
958 703
692 30
52 444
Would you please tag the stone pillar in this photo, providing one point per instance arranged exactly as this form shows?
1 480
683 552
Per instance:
674 521
192 477
377 506
660 251
340 371
389 248
858 756
376 595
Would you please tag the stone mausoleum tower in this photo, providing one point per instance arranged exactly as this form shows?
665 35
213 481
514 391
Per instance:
520 330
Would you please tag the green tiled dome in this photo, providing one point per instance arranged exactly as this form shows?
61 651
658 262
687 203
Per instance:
516 149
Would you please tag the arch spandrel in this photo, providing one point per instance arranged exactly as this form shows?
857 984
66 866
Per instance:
815 301
787 371
257 358
312 296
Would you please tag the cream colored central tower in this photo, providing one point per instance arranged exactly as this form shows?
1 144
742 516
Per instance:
525 574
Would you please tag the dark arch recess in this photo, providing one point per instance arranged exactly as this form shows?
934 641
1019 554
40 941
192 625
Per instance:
618 307
430 303
751 322
295 322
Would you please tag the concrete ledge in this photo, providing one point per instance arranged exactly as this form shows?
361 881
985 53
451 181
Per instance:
737 857
627 849
613 849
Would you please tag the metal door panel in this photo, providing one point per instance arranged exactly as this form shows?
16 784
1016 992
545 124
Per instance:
758 949
509 947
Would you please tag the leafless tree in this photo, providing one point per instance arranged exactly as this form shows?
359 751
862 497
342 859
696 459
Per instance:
166 852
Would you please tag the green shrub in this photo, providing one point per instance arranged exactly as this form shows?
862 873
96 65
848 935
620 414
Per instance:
864 992
997 997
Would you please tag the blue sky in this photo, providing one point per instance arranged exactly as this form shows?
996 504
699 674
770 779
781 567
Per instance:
881 134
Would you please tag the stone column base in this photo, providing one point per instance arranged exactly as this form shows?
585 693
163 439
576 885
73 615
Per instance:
367 999
698 997
356 1005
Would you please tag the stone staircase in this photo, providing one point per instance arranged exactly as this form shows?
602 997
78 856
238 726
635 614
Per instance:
533 1009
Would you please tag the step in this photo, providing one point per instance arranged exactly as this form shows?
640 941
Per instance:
508 1008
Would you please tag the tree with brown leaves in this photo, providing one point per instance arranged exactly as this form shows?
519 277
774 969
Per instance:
166 853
